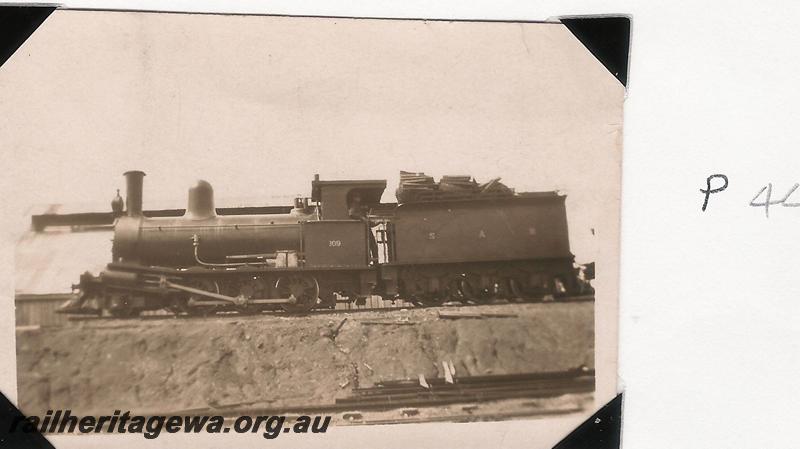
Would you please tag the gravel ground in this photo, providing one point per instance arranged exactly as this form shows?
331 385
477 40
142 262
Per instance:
146 366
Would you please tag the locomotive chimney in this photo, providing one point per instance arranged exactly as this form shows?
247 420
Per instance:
201 201
134 180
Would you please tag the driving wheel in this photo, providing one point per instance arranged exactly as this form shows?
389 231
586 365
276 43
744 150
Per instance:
304 289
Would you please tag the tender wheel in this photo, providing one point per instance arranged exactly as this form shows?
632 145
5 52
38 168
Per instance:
417 301
468 287
305 290
466 291
454 291
559 287
499 289
515 290
433 299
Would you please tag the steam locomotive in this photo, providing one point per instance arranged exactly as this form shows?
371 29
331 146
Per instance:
452 241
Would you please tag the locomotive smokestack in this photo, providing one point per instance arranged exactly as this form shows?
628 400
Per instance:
135 181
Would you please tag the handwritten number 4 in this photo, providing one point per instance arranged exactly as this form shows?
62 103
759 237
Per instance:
768 200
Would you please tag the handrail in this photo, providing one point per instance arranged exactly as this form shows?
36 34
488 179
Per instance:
196 245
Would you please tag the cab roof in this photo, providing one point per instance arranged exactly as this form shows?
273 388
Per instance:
370 189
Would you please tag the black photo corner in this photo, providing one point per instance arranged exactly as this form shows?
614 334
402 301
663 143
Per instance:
17 24
11 416
602 430
606 37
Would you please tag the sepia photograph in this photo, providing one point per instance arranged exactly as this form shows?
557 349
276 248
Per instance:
317 221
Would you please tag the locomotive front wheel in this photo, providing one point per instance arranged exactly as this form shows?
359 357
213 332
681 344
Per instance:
123 312
119 307
177 305
305 290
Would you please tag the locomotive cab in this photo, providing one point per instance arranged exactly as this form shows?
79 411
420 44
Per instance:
337 197
343 236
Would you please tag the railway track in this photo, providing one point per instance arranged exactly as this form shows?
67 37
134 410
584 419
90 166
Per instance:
403 394
235 314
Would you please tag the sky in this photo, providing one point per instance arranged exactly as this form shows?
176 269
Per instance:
257 105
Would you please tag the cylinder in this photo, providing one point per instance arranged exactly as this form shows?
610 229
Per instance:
135 181
119 277
201 202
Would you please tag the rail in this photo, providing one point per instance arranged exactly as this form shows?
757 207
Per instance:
409 393
232 314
